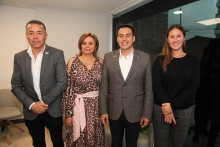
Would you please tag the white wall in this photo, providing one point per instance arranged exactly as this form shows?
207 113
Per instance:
64 27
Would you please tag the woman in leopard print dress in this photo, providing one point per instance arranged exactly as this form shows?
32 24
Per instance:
80 100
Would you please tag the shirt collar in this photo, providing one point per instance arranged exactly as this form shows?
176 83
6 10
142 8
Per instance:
129 55
29 51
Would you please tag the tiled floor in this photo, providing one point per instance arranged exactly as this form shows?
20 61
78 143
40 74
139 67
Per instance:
23 139
202 139
20 139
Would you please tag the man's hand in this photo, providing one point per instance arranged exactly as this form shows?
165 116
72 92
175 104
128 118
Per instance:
39 107
144 122
104 119
69 121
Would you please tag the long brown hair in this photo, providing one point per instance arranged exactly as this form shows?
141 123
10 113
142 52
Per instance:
167 50
81 41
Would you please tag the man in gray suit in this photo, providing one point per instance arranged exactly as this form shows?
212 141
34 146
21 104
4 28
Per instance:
126 97
38 80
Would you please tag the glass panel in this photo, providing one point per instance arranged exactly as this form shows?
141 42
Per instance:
151 30
192 14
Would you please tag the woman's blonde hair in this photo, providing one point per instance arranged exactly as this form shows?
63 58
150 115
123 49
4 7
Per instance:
81 39
167 50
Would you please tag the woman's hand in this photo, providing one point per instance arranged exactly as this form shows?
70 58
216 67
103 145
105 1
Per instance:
168 113
69 121
166 108
169 118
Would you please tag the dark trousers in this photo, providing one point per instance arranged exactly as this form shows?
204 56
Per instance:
37 126
213 134
117 132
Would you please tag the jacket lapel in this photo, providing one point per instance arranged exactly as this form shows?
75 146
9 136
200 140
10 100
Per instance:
115 58
28 68
44 62
135 63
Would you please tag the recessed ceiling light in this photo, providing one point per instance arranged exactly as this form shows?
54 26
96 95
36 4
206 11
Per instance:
210 21
177 12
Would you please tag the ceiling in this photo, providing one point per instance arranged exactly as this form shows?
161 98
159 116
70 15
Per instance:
98 6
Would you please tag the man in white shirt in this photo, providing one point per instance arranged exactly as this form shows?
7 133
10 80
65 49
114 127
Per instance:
38 80
126 97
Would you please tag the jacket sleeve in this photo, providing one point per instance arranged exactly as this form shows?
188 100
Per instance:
148 101
17 83
103 91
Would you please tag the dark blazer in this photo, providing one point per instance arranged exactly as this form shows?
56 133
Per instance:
133 95
53 81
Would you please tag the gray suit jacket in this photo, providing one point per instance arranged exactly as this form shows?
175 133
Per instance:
53 81
133 95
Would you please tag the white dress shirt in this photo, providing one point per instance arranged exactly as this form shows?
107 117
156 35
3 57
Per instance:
125 63
36 68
